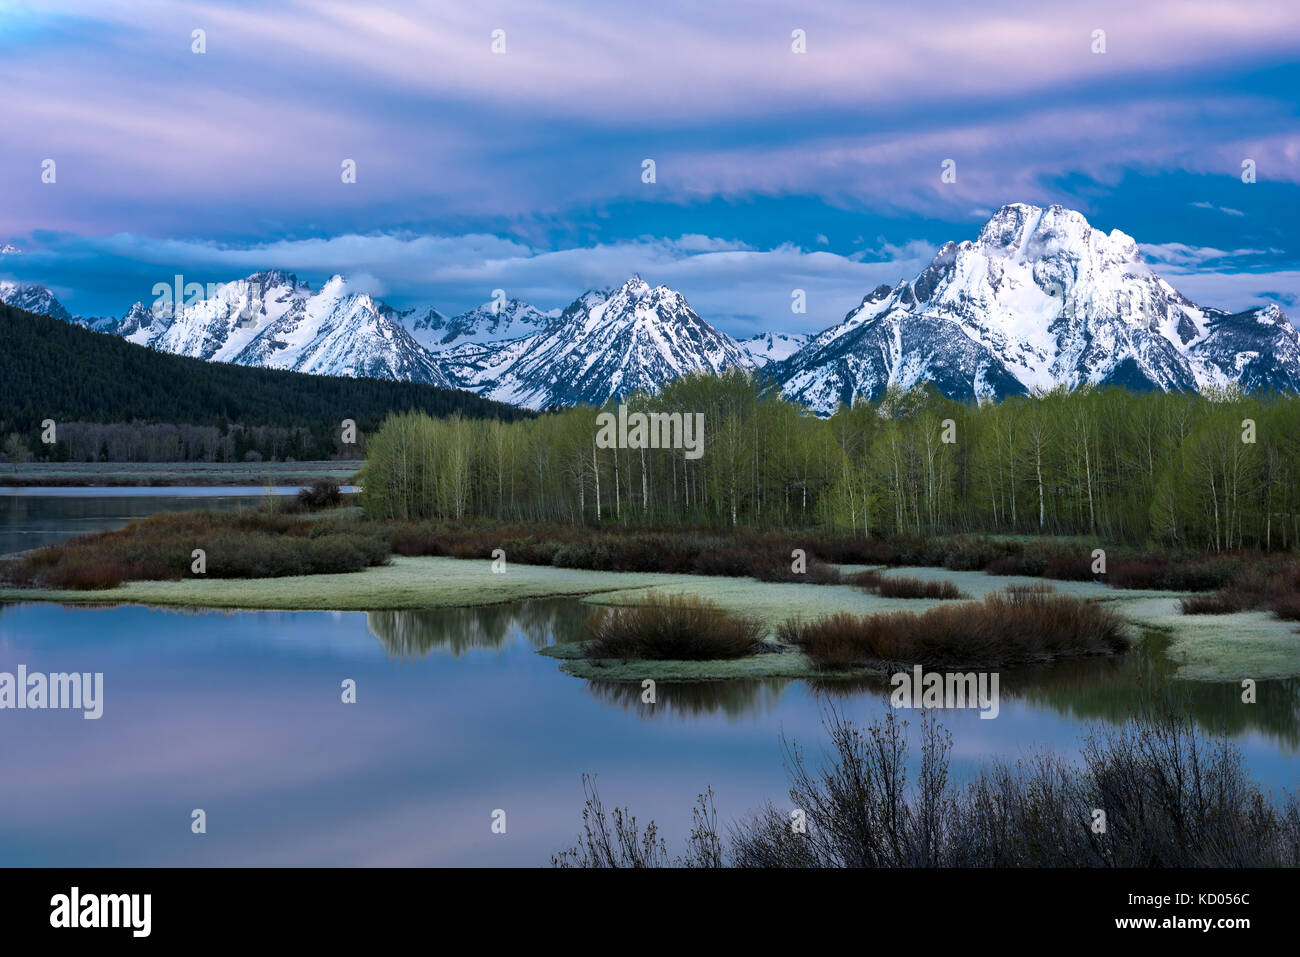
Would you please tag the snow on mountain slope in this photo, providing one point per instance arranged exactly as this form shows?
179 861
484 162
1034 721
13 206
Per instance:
33 298
220 327
773 346
495 321
1038 299
1258 349
610 344
273 320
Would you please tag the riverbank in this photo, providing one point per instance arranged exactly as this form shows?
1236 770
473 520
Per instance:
1211 648
163 474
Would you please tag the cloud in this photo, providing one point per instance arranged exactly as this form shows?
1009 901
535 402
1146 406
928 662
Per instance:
1181 254
247 138
1235 291
742 290
521 170
1223 209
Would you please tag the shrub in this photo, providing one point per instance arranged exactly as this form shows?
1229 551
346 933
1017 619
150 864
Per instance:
237 545
902 586
1287 607
1021 564
1028 592
671 628
736 562
777 569
905 587
86 576
323 493
1216 603
1003 629
1253 587
971 553
868 580
1173 796
1070 567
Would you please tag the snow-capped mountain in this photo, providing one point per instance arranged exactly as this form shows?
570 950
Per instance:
773 346
33 298
604 344
425 327
496 321
1038 299
272 319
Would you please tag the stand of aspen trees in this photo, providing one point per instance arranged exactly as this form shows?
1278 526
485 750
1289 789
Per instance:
1208 472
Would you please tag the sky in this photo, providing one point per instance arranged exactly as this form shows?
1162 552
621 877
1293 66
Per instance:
522 167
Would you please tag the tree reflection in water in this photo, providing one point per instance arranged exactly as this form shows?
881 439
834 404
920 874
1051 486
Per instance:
415 633
1107 688
736 697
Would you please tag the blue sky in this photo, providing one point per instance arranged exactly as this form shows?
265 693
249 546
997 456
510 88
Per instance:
522 170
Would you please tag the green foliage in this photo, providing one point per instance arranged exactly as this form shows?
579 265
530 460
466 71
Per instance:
1113 466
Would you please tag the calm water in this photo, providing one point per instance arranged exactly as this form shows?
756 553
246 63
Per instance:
33 517
456 716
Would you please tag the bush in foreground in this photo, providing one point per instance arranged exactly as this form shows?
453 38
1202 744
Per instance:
1173 798
671 628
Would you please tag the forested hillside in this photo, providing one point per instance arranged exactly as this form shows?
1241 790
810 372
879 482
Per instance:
1203 472
55 370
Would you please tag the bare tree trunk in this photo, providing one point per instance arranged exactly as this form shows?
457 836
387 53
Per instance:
595 470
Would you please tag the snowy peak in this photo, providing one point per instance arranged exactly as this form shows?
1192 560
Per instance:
273 320
1038 299
33 298
498 320
611 343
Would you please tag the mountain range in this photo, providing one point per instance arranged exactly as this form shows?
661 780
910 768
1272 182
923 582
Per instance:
1038 299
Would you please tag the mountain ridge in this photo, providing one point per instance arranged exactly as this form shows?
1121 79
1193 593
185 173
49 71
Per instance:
1038 299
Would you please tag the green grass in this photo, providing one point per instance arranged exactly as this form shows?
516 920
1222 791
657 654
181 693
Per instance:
1222 648
406 583
1250 644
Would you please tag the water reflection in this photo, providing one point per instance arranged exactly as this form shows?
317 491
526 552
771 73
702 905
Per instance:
457 716
416 633
1085 689
1115 689
735 698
